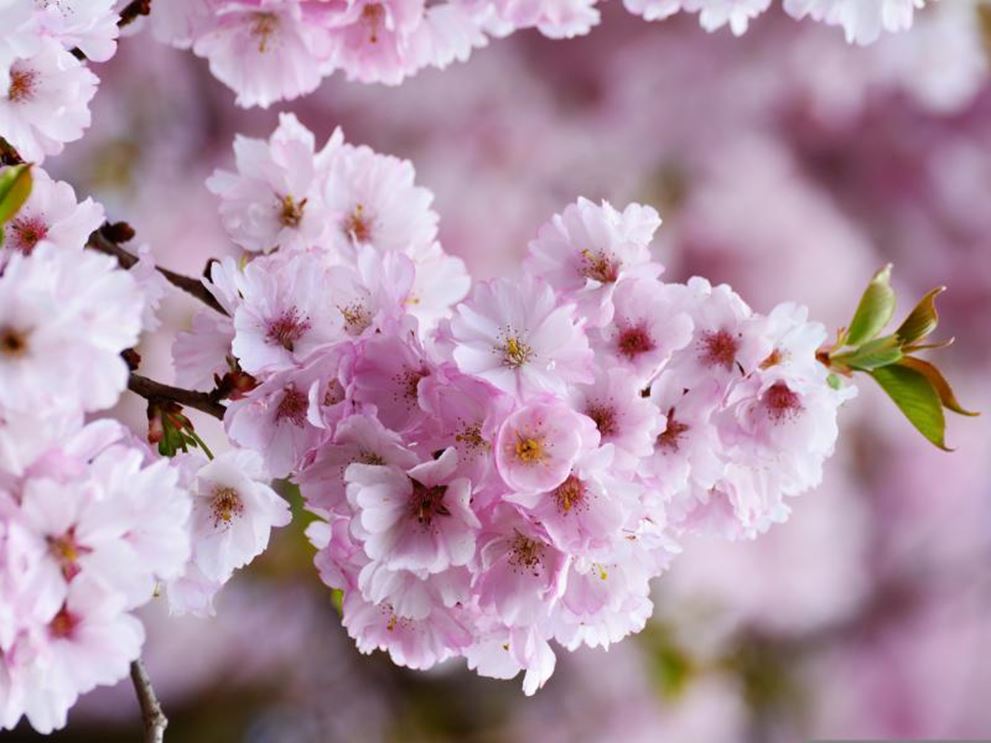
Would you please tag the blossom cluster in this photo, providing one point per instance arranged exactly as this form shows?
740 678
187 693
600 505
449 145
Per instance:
499 468
268 50
45 84
91 521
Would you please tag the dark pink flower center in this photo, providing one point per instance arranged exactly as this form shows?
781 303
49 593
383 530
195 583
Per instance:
67 551
63 624
719 348
427 502
26 233
22 85
634 341
526 555
287 329
373 16
604 417
670 440
292 406
781 402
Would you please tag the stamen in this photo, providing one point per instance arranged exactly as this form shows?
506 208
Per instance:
773 359
67 551
604 418
357 226
13 342
373 15
671 438
63 624
781 402
357 318
262 28
571 494
226 506
529 450
22 85
26 233
427 502
719 348
634 341
291 213
599 267
526 555
293 406
287 329
515 353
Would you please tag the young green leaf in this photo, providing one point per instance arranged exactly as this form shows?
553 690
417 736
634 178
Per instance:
872 355
915 396
922 320
15 187
938 382
876 307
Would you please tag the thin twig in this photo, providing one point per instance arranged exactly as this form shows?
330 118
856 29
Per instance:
149 389
152 716
192 286
9 155
132 11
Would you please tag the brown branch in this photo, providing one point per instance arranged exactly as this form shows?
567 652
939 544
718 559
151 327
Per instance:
151 390
99 240
9 155
132 11
152 716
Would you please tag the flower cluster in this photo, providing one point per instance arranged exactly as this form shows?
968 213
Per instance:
45 88
495 473
91 522
268 50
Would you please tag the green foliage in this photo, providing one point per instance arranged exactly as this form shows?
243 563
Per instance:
876 307
916 386
916 398
15 188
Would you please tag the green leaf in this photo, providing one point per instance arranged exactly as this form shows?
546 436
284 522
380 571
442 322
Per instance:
834 381
915 396
15 187
938 382
922 320
876 307
872 355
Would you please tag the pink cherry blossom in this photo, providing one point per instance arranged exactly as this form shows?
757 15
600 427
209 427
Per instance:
264 49
414 520
515 335
648 325
47 101
52 216
538 444
584 251
234 512
274 199
66 318
285 316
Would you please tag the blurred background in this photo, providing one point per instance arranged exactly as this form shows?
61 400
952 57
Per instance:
785 163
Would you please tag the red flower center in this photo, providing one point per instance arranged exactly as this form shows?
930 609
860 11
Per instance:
635 341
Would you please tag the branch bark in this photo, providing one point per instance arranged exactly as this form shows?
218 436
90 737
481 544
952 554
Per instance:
149 389
152 716
132 11
192 286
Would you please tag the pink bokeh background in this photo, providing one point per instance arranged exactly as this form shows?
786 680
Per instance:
785 163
